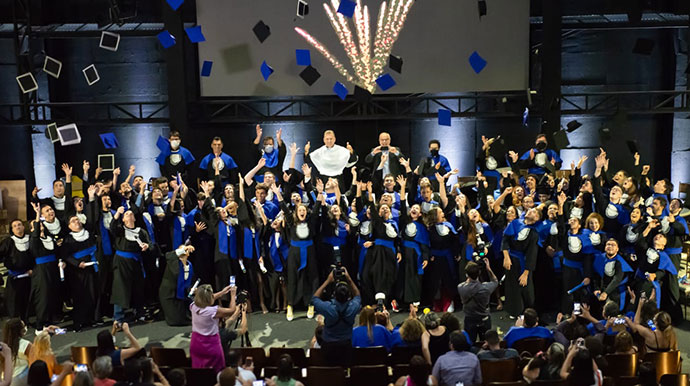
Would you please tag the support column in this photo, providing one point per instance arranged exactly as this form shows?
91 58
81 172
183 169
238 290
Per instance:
680 155
551 67
177 70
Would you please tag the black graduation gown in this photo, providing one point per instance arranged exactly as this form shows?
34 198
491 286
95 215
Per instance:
523 240
409 282
442 272
18 260
577 264
380 264
81 247
128 272
106 249
67 208
176 311
301 283
45 280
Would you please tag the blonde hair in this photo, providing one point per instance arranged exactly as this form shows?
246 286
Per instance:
368 318
411 330
203 296
663 323
41 347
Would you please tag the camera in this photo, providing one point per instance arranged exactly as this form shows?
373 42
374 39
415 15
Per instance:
336 255
338 273
380 299
580 343
242 297
384 148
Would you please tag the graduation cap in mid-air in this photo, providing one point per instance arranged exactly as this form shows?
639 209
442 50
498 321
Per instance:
91 74
395 63
385 82
477 62
266 70
194 34
481 7
302 9
69 134
310 75
340 90
52 67
109 140
27 82
362 95
444 117
262 31
303 57
109 41
166 39
573 125
206 68
106 162
51 133
560 139
347 7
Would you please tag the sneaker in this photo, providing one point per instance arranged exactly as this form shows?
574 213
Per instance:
394 306
289 314
310 312
451 307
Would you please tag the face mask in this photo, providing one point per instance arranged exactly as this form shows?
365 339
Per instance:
268 149
541 146
434 152
175 144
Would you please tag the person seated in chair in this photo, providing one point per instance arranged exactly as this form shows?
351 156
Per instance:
526 327
492 350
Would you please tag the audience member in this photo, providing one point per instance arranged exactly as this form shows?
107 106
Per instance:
106 344
12 334
6 360
409 334
176 377
526 327
205 347
227 377
419 374
244 372
646 374
83 378
579 367
102 367
435 339
369 333
660 338
458 366
450 322
623 343
149 368
284 373
545 366
492 350
41 349
475 297
38 374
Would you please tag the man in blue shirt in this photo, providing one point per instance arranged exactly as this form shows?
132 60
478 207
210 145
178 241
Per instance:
526 327
339 317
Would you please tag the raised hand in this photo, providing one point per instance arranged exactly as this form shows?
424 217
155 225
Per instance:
404 162
132 169
562 198
636 157
293 148
645 170
92 192
319 186
36 206
85 166
581 161
513 156
120 210
353 170
35 191
261 163
259 131
204 187
349 148
199 226
307 147
286 176
306 170
401 180
116 172
279 135
67 170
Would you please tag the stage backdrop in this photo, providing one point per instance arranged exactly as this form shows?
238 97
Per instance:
435 44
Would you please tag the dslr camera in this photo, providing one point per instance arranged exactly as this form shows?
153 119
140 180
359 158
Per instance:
242 297
380 300
338 273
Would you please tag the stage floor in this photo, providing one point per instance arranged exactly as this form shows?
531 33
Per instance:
270 330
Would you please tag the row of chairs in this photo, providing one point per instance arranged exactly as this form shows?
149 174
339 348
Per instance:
619 366
666 380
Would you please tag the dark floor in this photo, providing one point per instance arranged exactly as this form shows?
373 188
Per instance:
270 330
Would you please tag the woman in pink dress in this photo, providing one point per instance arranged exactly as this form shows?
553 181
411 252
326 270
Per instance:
205 347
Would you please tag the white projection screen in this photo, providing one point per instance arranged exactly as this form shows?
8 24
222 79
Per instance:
435 44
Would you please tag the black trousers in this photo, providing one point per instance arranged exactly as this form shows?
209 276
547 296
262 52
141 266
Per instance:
477 326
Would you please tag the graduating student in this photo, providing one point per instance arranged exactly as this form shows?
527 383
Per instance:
173 158
46 275
433 163
61 200
128 270
537 158
334 230
655 266
105 254
330 159
178 280
79 249
267 149
276 253
613 272
218 159
415 251
615 214
382 258
302 270
16 254
519 246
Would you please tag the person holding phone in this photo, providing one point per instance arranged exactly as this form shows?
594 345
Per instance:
392 164
205 347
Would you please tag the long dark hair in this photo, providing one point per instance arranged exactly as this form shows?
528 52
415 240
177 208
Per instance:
419 370
38 374
105 344
11 333
582 372
284 372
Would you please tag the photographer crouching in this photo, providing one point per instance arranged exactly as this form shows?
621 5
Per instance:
339 316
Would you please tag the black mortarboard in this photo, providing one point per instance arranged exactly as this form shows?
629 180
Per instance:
262 31
498 151
362 95
560 139
573 125
643 46
482 8
395 63
309 75
632 146
302 8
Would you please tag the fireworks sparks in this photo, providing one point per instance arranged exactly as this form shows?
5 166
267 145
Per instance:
367 68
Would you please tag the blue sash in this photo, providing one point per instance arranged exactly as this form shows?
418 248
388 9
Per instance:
520 256
163 144
448 255
182 284
227 160
575 265
14 274
557 261
45 259
271 158
303 246
362 253
251 244
673 251
105 238
278 253
134 256
420 259
386 243
91 251
227 244
149 229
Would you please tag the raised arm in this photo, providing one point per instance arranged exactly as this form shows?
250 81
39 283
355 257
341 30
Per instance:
442 189
249 177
